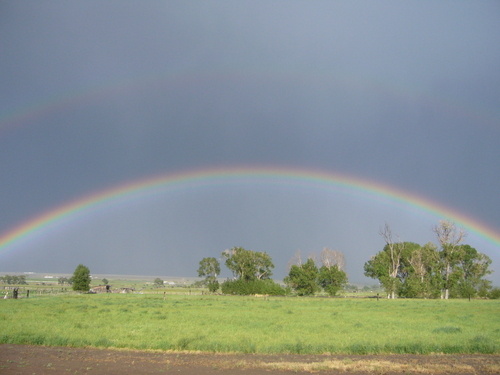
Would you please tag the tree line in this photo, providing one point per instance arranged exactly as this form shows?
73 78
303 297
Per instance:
14 279
252 271
403 269
453 269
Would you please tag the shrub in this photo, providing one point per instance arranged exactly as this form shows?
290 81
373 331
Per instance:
494 293
303 278
213 286
242 287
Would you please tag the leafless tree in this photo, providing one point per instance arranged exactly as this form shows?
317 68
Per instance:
422 259
330 257
314 256
395 250
449 237
296 260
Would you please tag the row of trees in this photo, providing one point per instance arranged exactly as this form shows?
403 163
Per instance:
80 280
308 278
14 279
252 271
403 269
408 269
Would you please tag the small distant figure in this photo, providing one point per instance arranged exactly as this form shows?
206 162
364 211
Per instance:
15 292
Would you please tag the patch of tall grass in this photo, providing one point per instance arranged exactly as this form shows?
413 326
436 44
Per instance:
254 325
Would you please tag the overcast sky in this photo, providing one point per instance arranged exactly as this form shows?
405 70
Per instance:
99 94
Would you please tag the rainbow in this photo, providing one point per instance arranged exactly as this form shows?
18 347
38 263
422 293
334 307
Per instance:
181 76
218 176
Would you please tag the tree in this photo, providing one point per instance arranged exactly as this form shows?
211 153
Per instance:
14 279
332 279
378 267
389 266
449 237
105 281
210 268
303 278
469 271
494 293
248 265
63 280
295 260
81 278
158 282
394 251
420 271
330 257
332 276
263 265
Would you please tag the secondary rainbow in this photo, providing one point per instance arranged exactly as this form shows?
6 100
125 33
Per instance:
252 174
182 76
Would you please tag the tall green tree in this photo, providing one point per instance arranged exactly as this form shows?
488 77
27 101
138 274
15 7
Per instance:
449 237
210 269
81 278
423 267
332 279
248 265
394 252
263 265
379 267
420 271
303 278
391 266
469 271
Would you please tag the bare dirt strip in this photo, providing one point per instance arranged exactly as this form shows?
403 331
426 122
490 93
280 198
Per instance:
26 359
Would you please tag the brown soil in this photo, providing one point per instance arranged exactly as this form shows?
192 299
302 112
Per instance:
25 359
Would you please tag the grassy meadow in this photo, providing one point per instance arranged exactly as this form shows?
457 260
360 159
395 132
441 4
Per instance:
252 324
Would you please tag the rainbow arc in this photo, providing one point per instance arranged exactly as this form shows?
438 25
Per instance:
214 176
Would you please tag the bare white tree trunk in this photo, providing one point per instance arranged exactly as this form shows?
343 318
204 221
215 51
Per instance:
296 260
449 236
330 258
395 250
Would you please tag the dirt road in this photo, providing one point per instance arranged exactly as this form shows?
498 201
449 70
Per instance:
25 359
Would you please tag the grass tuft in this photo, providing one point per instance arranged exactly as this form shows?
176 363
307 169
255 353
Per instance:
447 329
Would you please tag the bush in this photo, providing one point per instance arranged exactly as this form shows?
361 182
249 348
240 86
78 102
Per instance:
303 278
81 278
494 293
242 287
213 286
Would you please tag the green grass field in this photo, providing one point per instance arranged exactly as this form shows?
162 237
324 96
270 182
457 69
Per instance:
253 325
